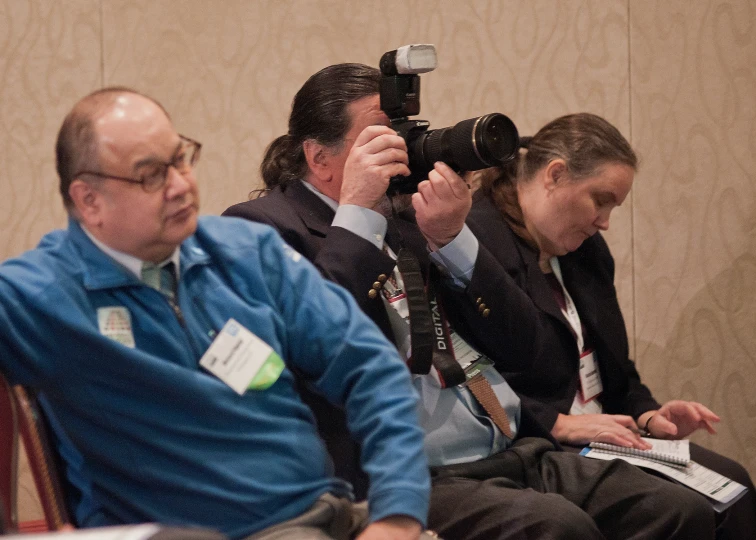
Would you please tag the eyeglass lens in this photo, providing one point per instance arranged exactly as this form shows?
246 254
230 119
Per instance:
184 159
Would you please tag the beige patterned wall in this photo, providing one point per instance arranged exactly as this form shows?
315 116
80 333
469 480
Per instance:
693 102
676 77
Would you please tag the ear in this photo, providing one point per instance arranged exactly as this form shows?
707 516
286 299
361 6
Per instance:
318 161
555 173
87 201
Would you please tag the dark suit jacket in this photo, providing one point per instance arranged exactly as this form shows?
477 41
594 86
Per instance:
304 222
548 386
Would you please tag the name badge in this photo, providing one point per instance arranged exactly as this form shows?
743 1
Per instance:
399 303
468 358
241 359
590 378
115 323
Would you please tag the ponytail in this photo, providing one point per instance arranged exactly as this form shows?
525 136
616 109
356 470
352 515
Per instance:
319 112
283 162
500 185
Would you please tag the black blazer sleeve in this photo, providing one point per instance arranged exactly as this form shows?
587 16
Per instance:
494 311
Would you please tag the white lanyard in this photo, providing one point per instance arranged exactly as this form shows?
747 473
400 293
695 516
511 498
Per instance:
570 313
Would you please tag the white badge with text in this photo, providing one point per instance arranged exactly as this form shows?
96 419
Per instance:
590 378
241 359
468 358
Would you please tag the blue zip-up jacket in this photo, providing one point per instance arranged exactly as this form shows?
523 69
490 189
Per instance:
152 436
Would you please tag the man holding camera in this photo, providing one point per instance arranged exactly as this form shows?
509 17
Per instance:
165 346
327 179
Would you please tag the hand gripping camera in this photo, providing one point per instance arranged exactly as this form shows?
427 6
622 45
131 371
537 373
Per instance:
471 145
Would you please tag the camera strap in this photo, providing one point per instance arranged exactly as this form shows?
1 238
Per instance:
449 370
429 337
421 325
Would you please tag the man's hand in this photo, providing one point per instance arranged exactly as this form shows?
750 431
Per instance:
377 155
609 428
677 419
441 205
392 528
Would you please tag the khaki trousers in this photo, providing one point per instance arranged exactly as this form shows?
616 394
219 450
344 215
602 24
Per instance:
330 518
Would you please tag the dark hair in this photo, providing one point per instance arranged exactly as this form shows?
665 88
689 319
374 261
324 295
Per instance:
584 141
318 112
76 147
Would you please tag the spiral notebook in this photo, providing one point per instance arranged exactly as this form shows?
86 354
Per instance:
674 452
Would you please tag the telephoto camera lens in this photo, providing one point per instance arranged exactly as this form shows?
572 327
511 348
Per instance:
470 145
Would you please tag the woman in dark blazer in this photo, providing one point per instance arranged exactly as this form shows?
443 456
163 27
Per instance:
540 217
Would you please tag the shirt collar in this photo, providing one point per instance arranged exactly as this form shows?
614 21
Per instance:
329 201
131 263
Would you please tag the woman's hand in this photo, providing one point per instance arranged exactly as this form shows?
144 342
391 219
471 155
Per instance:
581 429
677 419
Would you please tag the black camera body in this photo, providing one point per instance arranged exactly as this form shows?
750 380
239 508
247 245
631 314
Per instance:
470 145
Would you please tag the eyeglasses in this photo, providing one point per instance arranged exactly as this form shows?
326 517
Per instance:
155 173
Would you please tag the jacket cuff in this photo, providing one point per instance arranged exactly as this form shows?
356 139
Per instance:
400 502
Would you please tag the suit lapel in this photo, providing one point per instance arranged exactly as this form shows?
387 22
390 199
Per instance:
316 214
538 288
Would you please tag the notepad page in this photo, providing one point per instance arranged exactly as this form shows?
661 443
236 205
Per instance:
680 449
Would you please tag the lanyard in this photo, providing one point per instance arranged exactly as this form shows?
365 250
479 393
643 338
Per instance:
570 312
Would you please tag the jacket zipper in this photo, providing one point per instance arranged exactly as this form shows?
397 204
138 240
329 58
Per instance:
173 302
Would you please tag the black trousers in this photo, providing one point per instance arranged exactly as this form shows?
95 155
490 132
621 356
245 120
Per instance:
738 521
532 491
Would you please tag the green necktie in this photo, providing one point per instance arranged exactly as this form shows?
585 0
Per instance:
161 278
